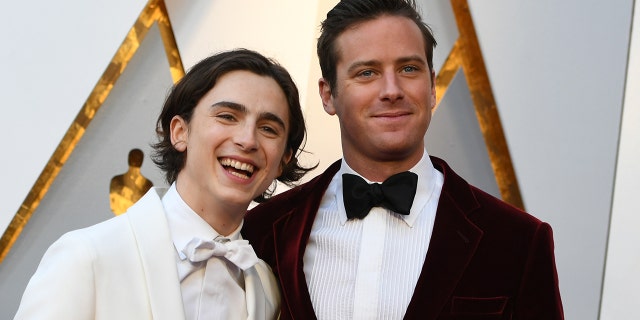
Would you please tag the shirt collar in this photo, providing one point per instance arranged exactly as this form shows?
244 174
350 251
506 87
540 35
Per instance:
424 190
185 224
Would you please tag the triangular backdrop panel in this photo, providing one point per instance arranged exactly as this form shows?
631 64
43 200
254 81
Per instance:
454 135
79 196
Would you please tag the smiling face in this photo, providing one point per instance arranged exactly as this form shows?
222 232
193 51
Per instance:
383 96
234 143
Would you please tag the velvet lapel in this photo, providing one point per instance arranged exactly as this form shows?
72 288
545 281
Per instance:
291 234
157 255
452 245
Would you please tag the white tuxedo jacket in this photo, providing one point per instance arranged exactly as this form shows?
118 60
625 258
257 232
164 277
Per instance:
125 268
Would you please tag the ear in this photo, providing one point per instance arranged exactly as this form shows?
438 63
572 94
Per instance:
433 89
288 154
324 88
179 133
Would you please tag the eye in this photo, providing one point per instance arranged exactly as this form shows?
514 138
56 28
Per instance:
226 117
409 69
269 130
365 73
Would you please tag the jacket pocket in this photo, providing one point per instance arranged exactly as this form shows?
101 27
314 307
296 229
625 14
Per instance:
485 308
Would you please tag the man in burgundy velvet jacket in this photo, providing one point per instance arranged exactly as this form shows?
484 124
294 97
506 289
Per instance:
342 249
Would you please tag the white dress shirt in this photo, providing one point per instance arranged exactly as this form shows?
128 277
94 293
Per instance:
368 269
225 299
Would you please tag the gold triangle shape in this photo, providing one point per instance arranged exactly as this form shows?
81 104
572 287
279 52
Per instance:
466 54
154 11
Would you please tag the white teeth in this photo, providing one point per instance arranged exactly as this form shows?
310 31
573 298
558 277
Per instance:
239 175
237 165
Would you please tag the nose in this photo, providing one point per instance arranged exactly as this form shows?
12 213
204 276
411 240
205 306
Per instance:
245 138
391 87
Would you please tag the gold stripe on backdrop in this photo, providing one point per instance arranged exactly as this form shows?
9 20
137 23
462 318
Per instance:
448 71
154 11
486 110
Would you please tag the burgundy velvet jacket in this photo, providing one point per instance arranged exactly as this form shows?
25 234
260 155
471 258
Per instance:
486 259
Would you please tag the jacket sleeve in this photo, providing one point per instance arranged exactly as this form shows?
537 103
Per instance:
539 294
63 286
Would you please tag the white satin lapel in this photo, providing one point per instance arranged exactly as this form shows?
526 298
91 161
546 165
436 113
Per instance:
157 254
262 292
254 294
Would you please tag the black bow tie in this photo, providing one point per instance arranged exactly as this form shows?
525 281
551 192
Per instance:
396 194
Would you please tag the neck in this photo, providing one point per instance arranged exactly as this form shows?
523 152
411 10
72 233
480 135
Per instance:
378 170
223 217
224 224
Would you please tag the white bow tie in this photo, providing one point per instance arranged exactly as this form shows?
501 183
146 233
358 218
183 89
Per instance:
239 252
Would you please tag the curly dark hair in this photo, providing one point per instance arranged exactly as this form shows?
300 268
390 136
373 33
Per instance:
348 13
201 78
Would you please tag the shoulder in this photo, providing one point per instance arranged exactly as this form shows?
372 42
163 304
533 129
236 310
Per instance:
116 232
76 253
496 211
506 226
86 244
483 209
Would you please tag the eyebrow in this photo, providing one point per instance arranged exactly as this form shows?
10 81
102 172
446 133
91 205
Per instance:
359 64
414 58
243 109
